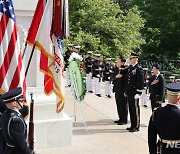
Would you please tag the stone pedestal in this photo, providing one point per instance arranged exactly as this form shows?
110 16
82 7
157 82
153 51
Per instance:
51 129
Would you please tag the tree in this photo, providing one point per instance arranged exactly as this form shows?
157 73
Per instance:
101 26
162 27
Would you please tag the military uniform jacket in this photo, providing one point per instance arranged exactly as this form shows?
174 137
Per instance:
157 90
88 64
98 68
135 80
108 72
14 132
165 122
66 58
119 83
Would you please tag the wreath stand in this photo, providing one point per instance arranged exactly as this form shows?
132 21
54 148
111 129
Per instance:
74 88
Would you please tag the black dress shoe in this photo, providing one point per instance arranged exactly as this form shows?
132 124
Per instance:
90 91
98 95
145 105
128 128
117 121
122 123
133 129
109 96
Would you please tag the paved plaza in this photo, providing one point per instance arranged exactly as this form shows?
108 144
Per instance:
102 136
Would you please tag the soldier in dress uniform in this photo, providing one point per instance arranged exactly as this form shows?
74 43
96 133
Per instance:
177 80
171 79
88 64
165 122
120 75
107 77
134 88
98 68
77 49
2 109
67 55
66 59
24 112
144 92
14 129
157 87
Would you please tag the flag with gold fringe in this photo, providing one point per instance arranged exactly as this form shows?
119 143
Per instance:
54 27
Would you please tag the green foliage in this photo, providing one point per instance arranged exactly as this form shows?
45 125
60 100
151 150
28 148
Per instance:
103 27
162 28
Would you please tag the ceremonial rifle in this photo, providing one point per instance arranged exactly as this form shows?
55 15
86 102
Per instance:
31 124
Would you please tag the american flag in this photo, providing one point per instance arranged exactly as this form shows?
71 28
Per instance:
11 66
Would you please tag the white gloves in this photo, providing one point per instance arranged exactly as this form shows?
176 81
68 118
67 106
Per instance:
137 96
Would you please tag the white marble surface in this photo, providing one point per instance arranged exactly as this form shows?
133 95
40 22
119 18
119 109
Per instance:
51 133
51 129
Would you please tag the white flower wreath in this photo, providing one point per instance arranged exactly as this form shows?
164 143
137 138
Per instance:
75 56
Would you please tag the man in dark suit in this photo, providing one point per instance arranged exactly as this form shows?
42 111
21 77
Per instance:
165 122
157 87
14 129
120 74
134 88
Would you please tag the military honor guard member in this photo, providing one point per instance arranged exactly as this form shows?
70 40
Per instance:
171 79
66 60
134 88
14 129
120 75
107 77
2 109
77 49
98 68
157 87
144 92
165 122
67 55
177 80
88 64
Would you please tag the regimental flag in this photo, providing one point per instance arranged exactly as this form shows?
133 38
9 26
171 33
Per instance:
36 22
48 81
11 66
49 41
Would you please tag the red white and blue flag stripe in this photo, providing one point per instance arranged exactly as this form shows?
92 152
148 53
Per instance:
11 66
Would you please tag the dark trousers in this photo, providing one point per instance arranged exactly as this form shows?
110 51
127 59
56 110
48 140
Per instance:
121 106
1 142
154 103
134 111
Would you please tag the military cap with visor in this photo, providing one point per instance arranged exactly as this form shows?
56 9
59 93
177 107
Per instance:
134 55
97 55
13 95
173 89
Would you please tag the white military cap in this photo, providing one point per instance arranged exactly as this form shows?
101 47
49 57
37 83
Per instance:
70 45
108 59
145 69
97 55
172 77
77 46
178 80
90 52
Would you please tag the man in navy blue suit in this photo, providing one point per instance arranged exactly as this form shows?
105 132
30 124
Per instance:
157 86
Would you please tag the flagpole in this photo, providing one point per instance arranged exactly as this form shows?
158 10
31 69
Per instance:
24 50
30 58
